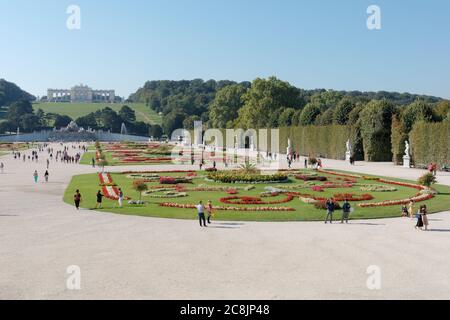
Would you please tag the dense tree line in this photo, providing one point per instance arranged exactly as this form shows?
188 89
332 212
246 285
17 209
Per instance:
10 93
262 103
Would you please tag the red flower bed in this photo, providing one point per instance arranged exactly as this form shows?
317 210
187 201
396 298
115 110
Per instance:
173 180
352 197
310 178
253 200
223 208
341 174
418 198
403 184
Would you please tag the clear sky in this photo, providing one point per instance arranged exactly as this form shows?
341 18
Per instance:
311 44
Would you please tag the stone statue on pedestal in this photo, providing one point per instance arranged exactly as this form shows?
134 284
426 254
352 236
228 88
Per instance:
348 152
407 156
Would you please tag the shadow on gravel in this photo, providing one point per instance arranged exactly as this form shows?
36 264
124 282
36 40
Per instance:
439 230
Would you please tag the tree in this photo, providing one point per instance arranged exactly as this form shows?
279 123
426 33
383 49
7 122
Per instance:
442 109
427 179
62 121
325 118
342 111
418 110
286 117
173 121
309 114
224 109
29 123
376 120
140 186
110 120
188 123
127 114
17 110
155 131
265 97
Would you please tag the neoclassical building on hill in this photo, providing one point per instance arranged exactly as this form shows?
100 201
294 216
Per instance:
80 93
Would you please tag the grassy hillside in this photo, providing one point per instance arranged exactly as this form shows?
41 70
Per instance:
76 110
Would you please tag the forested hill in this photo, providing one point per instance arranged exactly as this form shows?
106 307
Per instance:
10 93
264 102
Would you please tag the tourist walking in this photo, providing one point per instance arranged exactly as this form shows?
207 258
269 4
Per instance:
77 199
35 176
411 209
99 200
93 163
330 209
306 163
48 163
209 208
345 211
120 198
424 212
46 175
404 211
201 214
419 224
2 167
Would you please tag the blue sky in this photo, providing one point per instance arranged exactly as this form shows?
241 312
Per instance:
311 44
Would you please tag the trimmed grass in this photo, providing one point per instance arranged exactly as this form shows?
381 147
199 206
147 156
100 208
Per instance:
76 110
89 185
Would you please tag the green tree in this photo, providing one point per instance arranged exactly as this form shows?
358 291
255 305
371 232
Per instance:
342 111
155 131
286 117
62 121
418 110
29 123
224 109
127 114
309 114
188 123
265 97
376 120
325 118
172 121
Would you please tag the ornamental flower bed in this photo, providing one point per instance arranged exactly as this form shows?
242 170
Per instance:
239 177
253 200
377 188
310 178
173 180
352 197
322 205
347 175
223 208
418 198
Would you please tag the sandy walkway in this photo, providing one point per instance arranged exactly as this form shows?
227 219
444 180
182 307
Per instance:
146 258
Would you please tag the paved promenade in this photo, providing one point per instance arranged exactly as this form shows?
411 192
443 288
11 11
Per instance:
127 257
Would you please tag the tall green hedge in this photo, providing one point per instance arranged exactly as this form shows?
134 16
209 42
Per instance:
430 142
323 141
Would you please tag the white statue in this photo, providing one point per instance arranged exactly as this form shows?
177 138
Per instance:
349 146
289 148
407 149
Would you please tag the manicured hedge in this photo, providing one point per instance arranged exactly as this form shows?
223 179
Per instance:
430 142
322 141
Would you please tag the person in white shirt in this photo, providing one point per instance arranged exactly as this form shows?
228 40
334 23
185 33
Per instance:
201 214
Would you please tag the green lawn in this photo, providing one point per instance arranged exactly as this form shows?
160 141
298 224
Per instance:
89 185
76 110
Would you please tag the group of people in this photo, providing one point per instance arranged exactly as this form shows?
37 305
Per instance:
330 206
201 213
421 215
77 198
